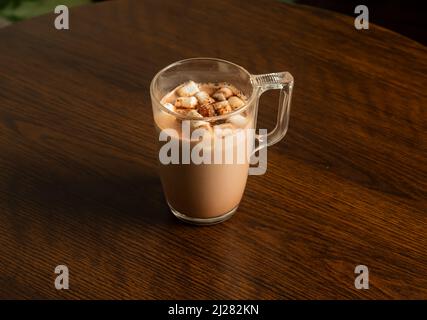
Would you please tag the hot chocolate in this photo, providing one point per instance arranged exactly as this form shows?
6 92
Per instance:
206 190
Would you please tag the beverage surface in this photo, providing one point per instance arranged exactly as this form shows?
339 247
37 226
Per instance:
204 99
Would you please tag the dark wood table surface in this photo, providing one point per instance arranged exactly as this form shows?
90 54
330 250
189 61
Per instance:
78 181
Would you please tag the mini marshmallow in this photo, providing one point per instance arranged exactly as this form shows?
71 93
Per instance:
227 92
222 107
235 102
203 98
186 102
188 89
238 120
221 104
219 96
206 110
196 123
199 124
194 114
209 88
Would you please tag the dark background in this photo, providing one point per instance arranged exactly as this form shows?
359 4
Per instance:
406 17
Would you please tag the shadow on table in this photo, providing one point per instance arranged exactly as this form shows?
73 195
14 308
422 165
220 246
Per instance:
127 193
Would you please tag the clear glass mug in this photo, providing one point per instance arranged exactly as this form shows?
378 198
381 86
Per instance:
208 193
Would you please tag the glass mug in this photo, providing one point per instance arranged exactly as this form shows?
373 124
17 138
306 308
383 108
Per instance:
209 193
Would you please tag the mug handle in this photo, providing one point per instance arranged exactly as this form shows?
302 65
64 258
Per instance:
284 82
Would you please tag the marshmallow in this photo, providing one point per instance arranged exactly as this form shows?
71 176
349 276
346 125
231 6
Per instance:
206 110
235 102
238 120
227 92
186 102
219 96
188 89
222 107
196 123
203 98
220 104
209 88
199 124
194 114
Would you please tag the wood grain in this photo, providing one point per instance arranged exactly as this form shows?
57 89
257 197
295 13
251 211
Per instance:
78 182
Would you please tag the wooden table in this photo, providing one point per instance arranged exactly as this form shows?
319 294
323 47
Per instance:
78 182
